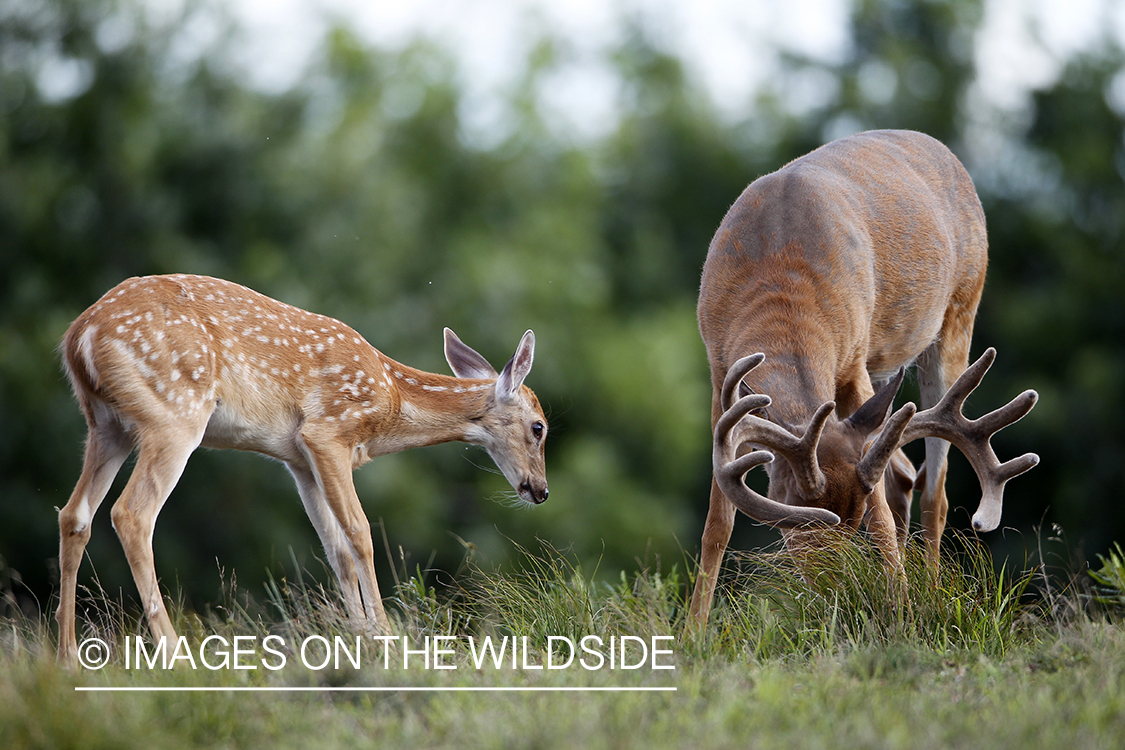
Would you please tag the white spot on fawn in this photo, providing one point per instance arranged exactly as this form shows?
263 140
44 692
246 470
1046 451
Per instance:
86 349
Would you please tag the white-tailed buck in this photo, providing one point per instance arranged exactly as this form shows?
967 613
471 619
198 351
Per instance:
166 364
824 281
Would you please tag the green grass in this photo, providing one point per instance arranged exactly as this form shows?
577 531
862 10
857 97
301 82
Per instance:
841 656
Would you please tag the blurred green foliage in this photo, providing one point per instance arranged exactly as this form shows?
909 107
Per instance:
357 194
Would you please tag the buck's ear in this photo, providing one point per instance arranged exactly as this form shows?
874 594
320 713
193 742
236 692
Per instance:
873 413
743 392
464 361
517 368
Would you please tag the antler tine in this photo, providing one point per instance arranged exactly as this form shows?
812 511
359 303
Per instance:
1009 413
732 416
973 437
725 450
870 468
735 374
969 380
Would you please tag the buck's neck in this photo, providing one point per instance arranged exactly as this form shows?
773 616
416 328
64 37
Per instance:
811 329
795 385
804 348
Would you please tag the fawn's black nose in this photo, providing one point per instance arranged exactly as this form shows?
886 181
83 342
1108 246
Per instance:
538 494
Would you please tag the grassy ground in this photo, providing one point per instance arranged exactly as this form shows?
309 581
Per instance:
843 659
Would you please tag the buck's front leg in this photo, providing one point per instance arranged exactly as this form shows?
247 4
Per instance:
898 480
716 535
331 466
881 525
880 521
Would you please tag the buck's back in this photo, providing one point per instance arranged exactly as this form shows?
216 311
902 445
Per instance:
875 233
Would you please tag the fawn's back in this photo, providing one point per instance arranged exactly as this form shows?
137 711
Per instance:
177 347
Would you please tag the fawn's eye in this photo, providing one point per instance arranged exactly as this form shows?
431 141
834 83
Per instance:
537 430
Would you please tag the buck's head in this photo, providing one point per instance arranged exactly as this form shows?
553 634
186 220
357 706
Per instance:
833 466
841 462
511 427
829 466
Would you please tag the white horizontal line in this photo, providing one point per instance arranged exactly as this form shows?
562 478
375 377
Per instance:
346 689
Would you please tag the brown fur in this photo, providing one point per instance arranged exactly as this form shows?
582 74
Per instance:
866 255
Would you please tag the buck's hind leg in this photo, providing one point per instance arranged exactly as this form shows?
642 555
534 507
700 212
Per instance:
163 453
939 366
107 447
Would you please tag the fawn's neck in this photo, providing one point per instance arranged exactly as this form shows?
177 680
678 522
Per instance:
427 408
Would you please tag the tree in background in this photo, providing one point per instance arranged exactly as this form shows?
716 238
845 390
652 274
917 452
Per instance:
357 194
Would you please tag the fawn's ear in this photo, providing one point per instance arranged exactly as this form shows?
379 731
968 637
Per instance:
510 380
465 361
